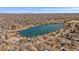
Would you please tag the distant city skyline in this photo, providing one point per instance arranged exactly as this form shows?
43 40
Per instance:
39 10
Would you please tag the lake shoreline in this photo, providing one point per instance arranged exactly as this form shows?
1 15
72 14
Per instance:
39 29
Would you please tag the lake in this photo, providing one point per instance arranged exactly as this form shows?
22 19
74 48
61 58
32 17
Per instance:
41 30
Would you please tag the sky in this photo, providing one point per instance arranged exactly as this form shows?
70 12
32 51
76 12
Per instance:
39 10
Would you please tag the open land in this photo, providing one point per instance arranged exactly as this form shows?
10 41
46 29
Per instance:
66 39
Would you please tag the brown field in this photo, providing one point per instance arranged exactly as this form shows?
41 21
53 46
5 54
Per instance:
66 39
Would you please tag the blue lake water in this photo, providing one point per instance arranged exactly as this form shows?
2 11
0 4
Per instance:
41 29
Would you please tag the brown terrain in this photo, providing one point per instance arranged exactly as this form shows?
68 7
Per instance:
66 39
